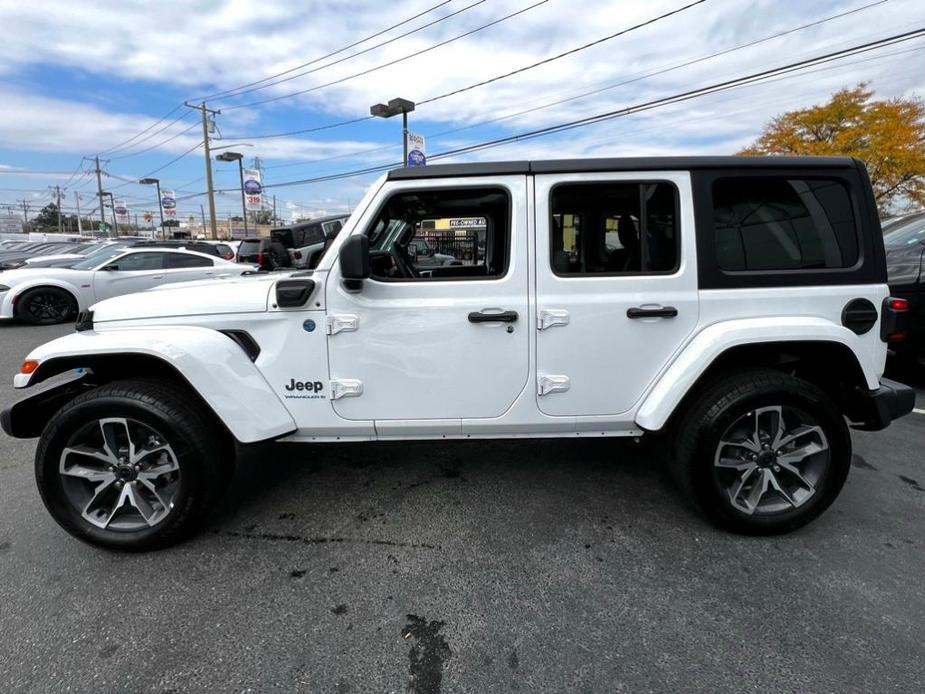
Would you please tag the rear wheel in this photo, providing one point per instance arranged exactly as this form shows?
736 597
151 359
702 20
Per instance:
762 452
46 306
132 465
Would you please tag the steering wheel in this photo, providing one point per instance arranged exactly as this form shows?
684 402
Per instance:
403 262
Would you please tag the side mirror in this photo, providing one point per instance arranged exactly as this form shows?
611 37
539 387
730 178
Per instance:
354 261
109 268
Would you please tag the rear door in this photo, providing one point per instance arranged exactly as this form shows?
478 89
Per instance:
185 267
616 286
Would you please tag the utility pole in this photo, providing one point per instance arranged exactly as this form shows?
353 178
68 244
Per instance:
205 143
80 228
57 190
203 213
99 191
274 211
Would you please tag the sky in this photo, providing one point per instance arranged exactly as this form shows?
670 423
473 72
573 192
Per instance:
82 80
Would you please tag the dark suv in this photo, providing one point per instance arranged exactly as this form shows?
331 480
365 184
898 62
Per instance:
265 253
905 266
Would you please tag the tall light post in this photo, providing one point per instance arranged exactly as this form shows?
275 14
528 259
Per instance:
160 209
393 108
238 157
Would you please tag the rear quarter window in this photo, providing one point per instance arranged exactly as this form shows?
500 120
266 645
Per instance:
778 223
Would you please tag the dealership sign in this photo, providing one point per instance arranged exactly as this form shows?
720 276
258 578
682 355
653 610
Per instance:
169 204
121 211
253 190
416 155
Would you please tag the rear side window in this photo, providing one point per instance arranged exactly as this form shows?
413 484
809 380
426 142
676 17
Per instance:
309 236
182 260
783 223
252 246
614 228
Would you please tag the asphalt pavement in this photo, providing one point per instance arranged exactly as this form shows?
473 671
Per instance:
536 566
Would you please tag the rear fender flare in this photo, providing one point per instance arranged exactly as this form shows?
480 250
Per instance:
677 380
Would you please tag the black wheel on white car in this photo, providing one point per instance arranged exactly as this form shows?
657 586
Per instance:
762 452
46 306
132 465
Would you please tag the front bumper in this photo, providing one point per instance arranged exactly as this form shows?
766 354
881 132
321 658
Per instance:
873 410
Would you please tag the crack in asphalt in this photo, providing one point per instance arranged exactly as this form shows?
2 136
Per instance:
279 537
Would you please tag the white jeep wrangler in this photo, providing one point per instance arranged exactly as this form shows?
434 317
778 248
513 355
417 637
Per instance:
738 306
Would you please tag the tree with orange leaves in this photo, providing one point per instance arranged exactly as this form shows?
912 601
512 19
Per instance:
888 136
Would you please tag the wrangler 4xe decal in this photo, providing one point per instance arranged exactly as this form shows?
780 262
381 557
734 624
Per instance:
304 390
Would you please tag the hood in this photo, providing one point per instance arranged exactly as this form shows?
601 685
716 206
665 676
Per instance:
206 297
13 277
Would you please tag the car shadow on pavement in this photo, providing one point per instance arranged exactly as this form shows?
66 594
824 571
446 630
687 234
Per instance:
280 481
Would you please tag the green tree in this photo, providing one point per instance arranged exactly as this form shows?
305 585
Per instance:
887 135
47 217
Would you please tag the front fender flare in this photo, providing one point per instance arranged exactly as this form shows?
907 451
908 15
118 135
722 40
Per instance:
212 364
697 356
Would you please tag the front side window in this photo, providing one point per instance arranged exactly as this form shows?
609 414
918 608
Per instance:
140 261
779 223
614 228
442 234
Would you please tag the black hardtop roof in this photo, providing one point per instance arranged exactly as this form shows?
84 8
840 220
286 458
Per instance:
309 222
497 168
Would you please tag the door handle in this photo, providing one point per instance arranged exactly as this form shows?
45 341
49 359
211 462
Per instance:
660 312
158 277
499 317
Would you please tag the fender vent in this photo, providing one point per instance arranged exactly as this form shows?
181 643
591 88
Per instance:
859 316
245 342
84 321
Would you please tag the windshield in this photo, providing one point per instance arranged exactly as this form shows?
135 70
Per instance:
908 235
99 257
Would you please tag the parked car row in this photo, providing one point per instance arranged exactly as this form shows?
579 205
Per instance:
57 289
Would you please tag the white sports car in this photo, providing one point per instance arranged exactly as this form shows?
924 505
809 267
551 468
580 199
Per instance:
55 295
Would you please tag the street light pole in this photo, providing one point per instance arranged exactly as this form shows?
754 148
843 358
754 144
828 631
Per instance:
238 157
160 210
393 108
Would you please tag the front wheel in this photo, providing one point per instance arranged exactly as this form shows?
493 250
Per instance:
46 306
132 465
762 452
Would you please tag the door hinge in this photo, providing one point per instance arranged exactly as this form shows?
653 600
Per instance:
550 317
346 388
551 384
344 323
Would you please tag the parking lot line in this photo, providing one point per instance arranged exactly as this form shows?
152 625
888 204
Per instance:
918 411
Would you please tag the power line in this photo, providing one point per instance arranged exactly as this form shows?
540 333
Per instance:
154 124
161 143
160 168
274 82
645 106
493 79
563 54
323 57
576 97
391 62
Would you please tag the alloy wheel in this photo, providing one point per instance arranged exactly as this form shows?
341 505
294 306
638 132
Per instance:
771 460
120 474
48 306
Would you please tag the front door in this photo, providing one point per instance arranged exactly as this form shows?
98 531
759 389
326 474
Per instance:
435 343
616 287
130 273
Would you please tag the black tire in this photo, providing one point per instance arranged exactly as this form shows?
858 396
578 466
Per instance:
46 306
723 402
204 454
